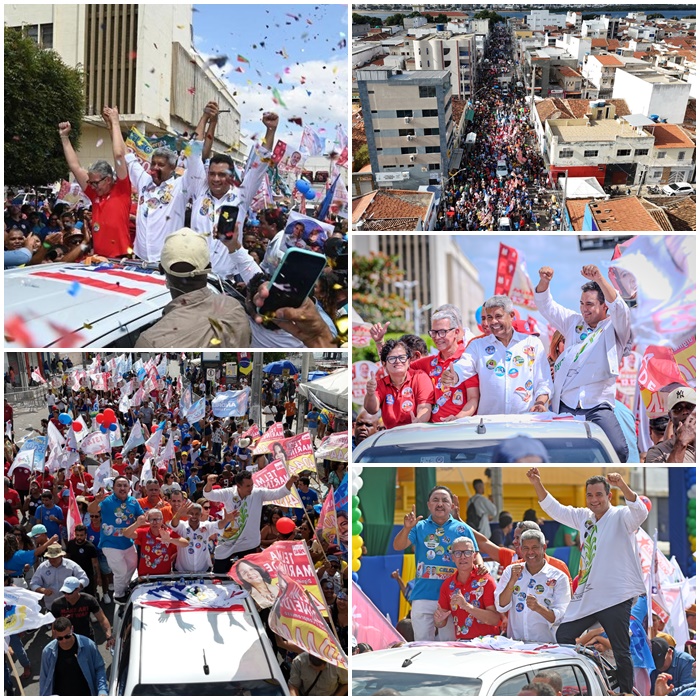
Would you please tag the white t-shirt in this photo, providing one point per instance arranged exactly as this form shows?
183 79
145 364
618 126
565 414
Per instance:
195 557
551 588
243 533
610 571
510 378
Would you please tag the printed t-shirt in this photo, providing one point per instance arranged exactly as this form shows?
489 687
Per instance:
155 557
399 404
433 561
43 516
110 219
79 613
116 516
479 592
165 509
195 557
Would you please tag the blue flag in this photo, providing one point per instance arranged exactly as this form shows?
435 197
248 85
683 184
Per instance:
341 495
230 403
323 210
196 411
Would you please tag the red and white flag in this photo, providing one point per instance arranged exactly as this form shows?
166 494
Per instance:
36 376
512 278
73 518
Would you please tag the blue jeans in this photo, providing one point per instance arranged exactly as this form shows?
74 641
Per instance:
603 416
18 648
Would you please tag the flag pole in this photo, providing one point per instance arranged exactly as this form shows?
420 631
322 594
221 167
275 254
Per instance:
14 673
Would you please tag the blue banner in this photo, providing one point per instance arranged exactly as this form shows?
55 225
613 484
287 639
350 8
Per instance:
231 403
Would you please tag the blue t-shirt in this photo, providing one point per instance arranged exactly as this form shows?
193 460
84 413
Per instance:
312 417
192 482
681 669
308 499
42 515
16 563
94 537
116 516
433 561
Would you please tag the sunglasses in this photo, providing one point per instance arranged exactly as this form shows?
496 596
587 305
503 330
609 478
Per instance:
206 507
64 637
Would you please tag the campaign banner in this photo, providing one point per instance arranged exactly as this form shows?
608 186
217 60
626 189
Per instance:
54 436
294 617
273 476
334 448
115 437
360 335
312 143
290 557
175 597
362 372
24 458
298 452
369 625
32 454
327 526
36 376
253 432
124 403
135 438
196 411
512 278
231 403
73 516
153 443
102 473
23 610
275 433
95 444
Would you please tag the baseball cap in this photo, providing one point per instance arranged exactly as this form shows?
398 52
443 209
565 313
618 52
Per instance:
679 395
185 246
37 530
659 649
70 584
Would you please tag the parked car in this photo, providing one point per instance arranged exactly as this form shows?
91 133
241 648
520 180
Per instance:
473 440
166 648
502 168
678 189
445 669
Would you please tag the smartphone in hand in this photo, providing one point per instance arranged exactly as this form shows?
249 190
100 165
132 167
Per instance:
228 214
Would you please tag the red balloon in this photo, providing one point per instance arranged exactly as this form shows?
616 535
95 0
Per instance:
285 526
99 418
646 501
109 416
77 426
153 429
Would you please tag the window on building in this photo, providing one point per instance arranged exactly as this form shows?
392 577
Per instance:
566 153
407 132
407 150
681 155
370 92
641 151
661 155
657 174
590 154
47 36
431 132
432 149
624 152
430 113
376 131
404 112
426 91
433 166
373 111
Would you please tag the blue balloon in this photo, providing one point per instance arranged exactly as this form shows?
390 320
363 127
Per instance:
478 315
65 418
103 429
113 427
355 577
310 194
301 185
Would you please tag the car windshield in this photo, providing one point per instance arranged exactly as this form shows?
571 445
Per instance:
369 682
565 450
258 688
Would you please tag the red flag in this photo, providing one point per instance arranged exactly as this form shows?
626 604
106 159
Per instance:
659 369
73 518
252 432
328 522
512 278
369 625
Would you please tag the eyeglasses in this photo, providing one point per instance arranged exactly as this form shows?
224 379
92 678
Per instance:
206 507
64 637
154 520
94 183
94 517
441 333
459 553
397 359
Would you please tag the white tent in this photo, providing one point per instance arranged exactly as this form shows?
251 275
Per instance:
582 188
329 392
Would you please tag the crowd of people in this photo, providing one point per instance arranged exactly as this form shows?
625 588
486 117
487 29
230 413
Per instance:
501 180
149 511
473 583
167 212
508 370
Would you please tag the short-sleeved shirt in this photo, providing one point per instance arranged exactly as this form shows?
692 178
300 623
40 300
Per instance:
448 402
195 557
78 614
83 554
110 219
43 516
116 517
662 450
12 497
21 477
312 417
433 560
16 563
478 591
155 557
303 676
400 404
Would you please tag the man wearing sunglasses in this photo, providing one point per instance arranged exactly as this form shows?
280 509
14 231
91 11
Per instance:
71 664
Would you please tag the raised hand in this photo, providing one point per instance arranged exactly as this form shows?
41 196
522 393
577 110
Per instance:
531 602
64 129
591 272
515 571
685 433
533 474
410 519
546 274
378 331
615 479
371 387
212 109
270 119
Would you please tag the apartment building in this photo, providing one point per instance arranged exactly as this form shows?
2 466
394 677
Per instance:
455 53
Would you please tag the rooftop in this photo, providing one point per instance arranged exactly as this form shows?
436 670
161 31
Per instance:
392 75
576 209
669 136
558 108
457 109
389 205
599 130
681 212
623 214
568 72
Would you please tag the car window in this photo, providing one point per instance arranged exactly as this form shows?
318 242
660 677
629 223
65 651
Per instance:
416 684
572 679
129 339
125 650
513 685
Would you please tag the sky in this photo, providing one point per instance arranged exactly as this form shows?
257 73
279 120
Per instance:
560 252
299 44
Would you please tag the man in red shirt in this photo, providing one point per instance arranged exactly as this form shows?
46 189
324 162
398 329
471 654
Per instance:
9 418
109 192
467 596
157 543
11 496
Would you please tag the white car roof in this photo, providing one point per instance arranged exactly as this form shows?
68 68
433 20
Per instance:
111 300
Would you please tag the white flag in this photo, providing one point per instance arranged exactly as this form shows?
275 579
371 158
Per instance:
146 471
56 440
80 434
135 438
23 610
124 404
36 376
95 444
102 473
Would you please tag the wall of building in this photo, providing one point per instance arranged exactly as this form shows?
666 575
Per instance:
668 100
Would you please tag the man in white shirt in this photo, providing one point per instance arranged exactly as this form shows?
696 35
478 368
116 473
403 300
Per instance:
242 535
195 557
534 594
595 338
512 367
610 577
484 509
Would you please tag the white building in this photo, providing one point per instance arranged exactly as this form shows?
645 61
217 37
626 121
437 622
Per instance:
649 92
455 53
537 20
599 69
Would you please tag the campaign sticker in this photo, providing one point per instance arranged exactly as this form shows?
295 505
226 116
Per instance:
529 351
407 391
539 588
389 400
440 531
407 406
516 589
528 384
490 364
509 354
520 607
490 350
458 398
513 372
430 554
532 583
522 596
518 360
547 601
500 371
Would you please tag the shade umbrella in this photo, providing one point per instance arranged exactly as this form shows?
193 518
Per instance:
279 367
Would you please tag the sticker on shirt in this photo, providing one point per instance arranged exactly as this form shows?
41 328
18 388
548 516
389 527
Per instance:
531 583
490 364
434 571
529 351
513 373
539 588
523 394
389 401
431 542
458 398
500 371
509 354
430 554
407 406
407 391
490 350
528 384
518 361
551 582
520 607
547 601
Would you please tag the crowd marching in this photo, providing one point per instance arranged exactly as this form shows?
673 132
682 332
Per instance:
140 470
501 181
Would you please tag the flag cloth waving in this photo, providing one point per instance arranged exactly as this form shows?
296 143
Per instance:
369 625
23 610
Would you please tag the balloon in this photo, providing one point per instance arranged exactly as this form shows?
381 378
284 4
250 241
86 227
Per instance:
109 416
357 470
478 315
358 483
356 528
311 194
646 501
153 429
99 418
301 185
355 501
285 526
356 564
355 577
77 426
65 418
113 427
103 429
356 514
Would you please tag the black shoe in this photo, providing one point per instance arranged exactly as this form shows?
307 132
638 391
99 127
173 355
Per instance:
121 599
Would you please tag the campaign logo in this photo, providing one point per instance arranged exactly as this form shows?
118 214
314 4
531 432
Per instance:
529 351
458 398
509 354
389 400
539 588
528 384
407 391
490 350
430 554
520 607
518 361
513 372
407 406
523 394
490 364
500 371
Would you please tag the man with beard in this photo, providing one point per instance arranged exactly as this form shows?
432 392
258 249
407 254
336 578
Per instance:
84 553
681 447
512 367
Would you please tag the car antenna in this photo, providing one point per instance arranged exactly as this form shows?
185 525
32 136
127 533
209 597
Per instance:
481 428
206 665
409 661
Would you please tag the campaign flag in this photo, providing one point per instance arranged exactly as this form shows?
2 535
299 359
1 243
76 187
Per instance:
253 432
102 473
23 610
295 618
275 433
24 458
175 597
153 442
291 557
339 206
274 476
300 453
327 522
196 411
138 397
512 278
135 438
341 137
55 437
169 395
124 404
664 269
73 516
311 142
146 471
245 362
341 495
115 437
95 444
659 369
36 376
343 159
325 206
32 454
185 399
369 625
168 452
231 403
140 146
334 448
80 433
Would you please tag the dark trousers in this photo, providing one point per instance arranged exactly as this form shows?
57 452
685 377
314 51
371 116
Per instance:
223 566
604 416
616 623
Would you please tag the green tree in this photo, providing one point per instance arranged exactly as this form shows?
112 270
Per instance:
40 92
492 17
441 18
366 19
360 158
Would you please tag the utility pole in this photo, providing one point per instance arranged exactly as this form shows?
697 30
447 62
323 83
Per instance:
256 390
301 408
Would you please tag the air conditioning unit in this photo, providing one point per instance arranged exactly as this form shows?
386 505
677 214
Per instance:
410 138
408 120
411 158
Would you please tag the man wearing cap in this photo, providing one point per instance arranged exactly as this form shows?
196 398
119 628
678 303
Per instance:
77 606
196 317
84 553
245 500
680 449
675 665
52 574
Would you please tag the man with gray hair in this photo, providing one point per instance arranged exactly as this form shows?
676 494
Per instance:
534 594
512 367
